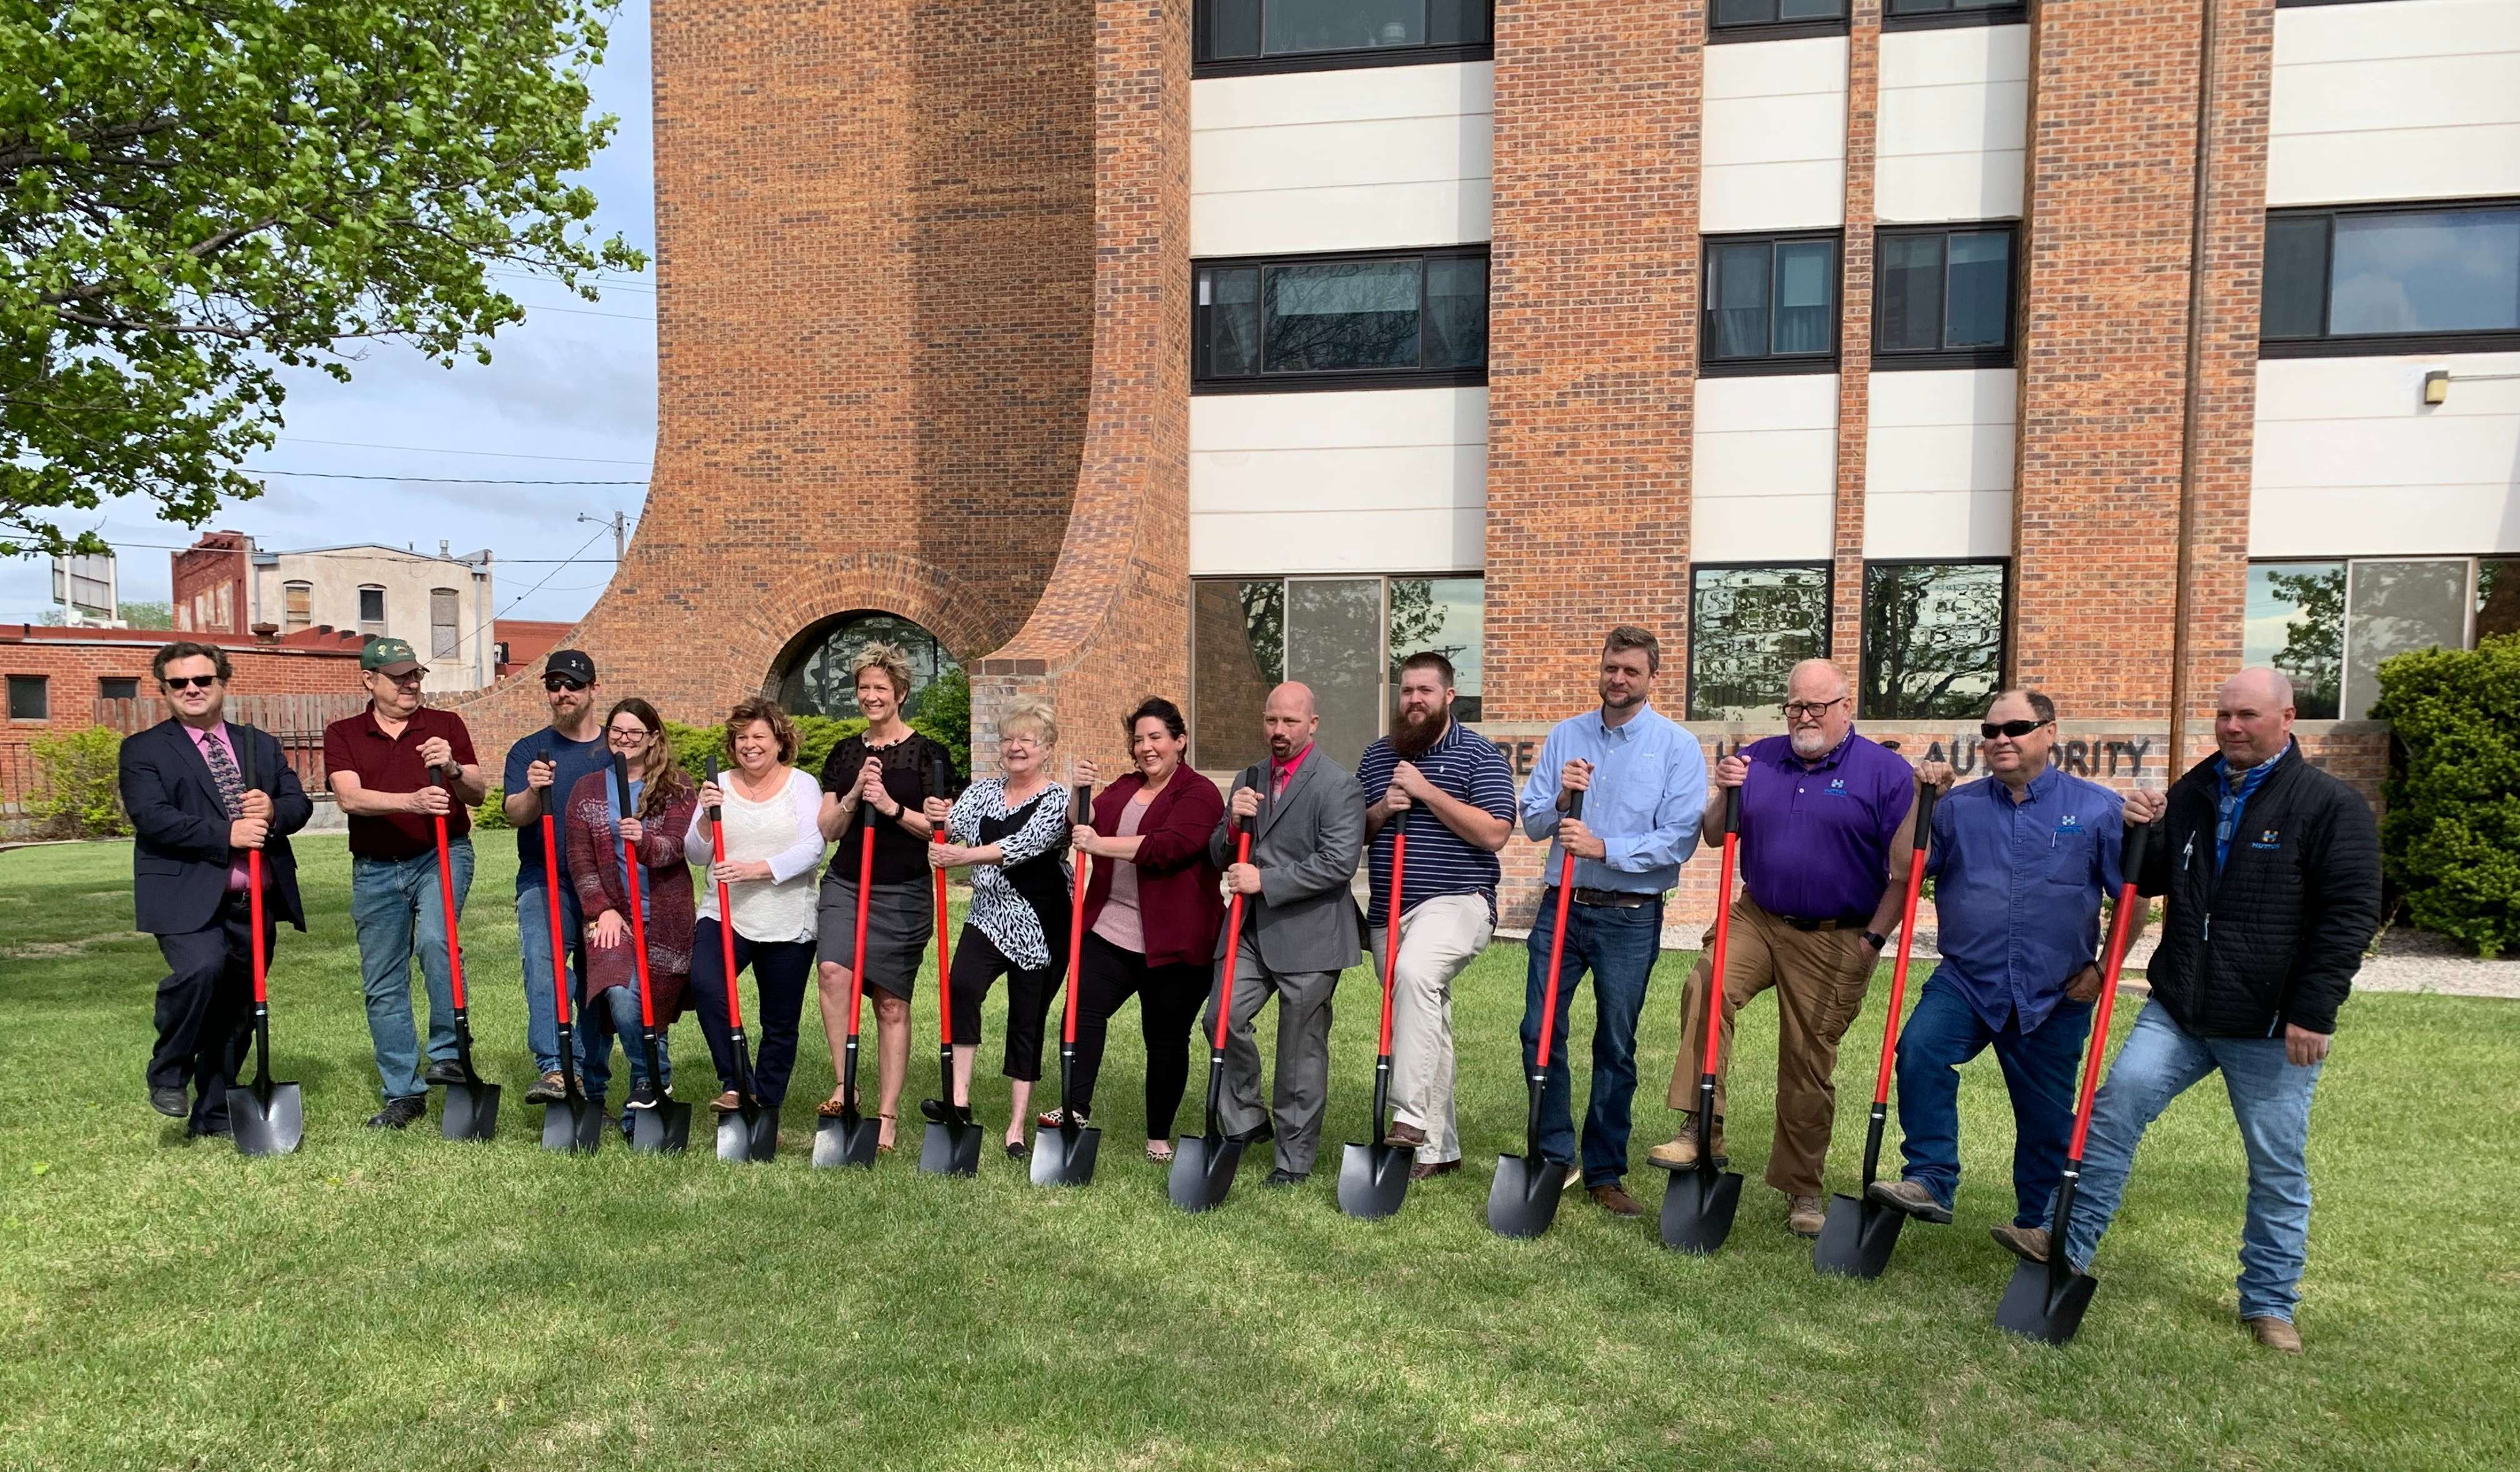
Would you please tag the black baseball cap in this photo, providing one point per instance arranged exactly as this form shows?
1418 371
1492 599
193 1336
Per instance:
572 663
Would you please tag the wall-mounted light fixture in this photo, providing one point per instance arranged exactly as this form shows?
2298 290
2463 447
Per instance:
2437 385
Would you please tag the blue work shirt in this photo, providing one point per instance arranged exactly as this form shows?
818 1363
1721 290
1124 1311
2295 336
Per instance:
2017 890
1649 792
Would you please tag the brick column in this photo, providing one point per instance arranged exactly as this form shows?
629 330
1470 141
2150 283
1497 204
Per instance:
1854 339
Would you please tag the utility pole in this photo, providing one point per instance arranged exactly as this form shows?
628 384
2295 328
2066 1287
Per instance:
620 533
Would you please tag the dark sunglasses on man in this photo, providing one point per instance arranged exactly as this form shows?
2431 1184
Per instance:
562 682
191 682
1989 730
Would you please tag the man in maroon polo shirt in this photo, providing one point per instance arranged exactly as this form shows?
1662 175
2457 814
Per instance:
1825 859
395 768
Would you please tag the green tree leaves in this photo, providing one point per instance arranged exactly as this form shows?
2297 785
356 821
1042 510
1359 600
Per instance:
2451 837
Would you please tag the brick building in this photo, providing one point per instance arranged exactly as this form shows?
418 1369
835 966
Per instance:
1180 346
226 586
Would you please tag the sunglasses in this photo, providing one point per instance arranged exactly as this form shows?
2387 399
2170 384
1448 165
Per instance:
562 682
190 682
1989 730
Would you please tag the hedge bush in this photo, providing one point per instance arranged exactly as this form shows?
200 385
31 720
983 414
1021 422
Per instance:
2450 839
78 793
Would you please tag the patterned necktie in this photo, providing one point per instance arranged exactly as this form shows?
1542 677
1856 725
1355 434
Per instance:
223 771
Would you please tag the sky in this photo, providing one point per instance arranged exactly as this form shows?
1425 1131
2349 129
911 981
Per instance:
568 395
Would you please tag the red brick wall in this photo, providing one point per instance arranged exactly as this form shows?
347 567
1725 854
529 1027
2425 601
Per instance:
1854 339
198 571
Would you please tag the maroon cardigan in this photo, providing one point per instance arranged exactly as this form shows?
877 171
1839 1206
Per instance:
595 871
1176 884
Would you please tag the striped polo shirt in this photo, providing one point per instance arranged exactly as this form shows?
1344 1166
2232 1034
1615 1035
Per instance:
1465 765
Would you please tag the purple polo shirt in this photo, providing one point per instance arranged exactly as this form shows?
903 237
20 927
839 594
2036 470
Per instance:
1816 835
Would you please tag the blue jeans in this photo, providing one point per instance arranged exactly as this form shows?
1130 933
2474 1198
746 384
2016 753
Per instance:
396 909
2271 1099
533 943
1945 1032
614 1012
1618 947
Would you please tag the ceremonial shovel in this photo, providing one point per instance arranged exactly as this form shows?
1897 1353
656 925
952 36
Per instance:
268 1117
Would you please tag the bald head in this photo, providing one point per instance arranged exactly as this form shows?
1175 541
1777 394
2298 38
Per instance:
1818 712
1291 717
2259 685
2253 716
1815 680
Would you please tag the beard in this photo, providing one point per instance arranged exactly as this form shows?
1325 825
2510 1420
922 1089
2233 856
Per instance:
1811 743
1412 739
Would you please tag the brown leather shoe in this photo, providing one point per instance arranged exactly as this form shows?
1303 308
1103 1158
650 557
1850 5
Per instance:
1432 1169
1615 1200
2274 1333
2027 1243
1406 1134
1805 1214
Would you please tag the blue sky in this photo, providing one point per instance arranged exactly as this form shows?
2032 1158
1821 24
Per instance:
569 395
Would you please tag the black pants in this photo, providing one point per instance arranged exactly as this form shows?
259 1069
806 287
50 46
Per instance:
780 971
205 1008
978 966
1168 1002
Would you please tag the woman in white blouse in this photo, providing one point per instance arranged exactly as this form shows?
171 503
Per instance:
774 852
1012 832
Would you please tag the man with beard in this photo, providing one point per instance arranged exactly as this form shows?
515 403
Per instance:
1646 786
1824 856
548 761
1448 890
1306 817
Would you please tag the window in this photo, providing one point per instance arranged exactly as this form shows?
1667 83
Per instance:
1774 20
2391 279
1344 636
2393 606
2330 625
445 623
1770 304
297 607
1943 298
1747 629
1235 38
1933 639
2498 596
2295 622
372 610
1927 14
817 682
29 699
117 688
1393 319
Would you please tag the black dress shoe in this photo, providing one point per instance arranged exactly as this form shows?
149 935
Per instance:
399 1113
1259 1133
169 1099
222 1130
1283 1176
444 1073
1016 1149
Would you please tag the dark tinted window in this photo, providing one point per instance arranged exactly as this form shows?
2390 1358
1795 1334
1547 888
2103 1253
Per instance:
1748 626
1383 314
1933 638
112 689
2360 276
1729 15
28 699
1771 298
1944 291
1356 31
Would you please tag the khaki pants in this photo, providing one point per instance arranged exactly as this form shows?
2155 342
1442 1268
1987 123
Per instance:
1819 977
1438 938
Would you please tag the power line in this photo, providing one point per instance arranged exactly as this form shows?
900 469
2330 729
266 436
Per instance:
351 444
595 278
427 480
588 312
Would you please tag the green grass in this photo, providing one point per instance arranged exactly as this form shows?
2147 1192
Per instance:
399 1301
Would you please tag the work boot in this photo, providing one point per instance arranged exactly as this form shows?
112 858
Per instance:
2274 1333
1912 1197
2027 1243
1804 1215
1680 1152
399 1113
1615 1200
549 1088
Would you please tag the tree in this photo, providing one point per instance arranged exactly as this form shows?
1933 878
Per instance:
201 195
142 616
2313 655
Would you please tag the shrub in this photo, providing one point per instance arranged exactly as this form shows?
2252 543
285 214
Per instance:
2450 839
945 715
79 792
492 814
816 735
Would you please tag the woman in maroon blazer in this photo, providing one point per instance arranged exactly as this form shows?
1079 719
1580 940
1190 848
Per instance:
1152 914
663 799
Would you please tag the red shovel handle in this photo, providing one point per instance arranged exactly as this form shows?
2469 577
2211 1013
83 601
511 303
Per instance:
630 883
2120 925
551 908
1391 930
1557 940
1233 941
1076 917
1923 830
857 958
242 736
725 908
1722 925
446 902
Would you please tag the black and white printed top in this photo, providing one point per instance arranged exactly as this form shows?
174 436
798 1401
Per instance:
1020 902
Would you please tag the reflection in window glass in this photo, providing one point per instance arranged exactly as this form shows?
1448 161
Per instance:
1933 638
1729 13
1337 315
1231 28
2498 596
817 682
2295 298
1445 616
1238 651
1981 288
1229 298
1334 644
1771 298
1457 312
1909 316
1806 301
2392 607
1738 298
2295 622
1748 626
2431 271
1294 27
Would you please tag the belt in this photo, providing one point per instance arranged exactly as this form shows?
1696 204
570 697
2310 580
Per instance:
1834 922
1616 898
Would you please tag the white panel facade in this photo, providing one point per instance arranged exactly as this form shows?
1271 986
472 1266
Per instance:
1762 478
2411 100
1773 137
1938 463
1341 160
2350 462
1955 107
1361 480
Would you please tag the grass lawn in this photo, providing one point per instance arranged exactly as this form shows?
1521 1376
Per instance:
394 1301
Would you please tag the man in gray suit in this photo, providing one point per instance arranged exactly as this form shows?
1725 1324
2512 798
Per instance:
1300 927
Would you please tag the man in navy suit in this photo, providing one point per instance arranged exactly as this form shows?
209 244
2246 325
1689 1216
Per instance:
201 794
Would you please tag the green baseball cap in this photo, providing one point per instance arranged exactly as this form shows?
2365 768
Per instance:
389 656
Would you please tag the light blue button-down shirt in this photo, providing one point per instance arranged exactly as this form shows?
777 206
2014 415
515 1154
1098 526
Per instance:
1647 795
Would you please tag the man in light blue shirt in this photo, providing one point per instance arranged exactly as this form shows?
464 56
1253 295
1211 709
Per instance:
1644 783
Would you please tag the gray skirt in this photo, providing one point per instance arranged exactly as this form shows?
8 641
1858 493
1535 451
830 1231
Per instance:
901 919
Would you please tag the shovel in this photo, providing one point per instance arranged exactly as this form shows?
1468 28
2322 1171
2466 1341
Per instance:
665 1130
1064 1156
472 1108
1522 1200
2045 1301
1859 1233
848 1137
1203 1165
752 1131
575 1125
951 1146
1373 1178
1698 1202
268 1117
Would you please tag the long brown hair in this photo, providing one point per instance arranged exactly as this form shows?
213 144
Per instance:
665 781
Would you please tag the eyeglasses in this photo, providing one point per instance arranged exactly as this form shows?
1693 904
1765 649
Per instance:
628 733
190 682
1809 711
1989 730
411 680
562 683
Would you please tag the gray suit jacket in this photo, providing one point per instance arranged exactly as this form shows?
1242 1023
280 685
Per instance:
1306 843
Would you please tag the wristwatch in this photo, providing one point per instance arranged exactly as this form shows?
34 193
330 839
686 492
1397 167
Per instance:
1876 940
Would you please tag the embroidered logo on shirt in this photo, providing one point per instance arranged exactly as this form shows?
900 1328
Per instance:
2070 822
2267 840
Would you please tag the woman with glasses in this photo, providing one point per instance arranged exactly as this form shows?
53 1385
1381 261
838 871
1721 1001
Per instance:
1012 832
659 813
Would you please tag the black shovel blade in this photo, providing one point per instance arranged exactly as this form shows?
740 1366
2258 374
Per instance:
1522 1201
1065 1156
1697 1208
665 1130
845 1140
1858 1238
274 1126
748 1134
1203 1167
2037 1305
470 1111
574 1129
1373 1179
950 1148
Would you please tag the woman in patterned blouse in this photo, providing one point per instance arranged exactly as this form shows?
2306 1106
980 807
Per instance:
1012 832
